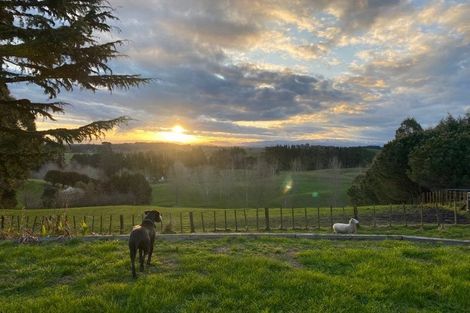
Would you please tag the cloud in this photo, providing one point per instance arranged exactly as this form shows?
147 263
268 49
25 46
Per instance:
280 70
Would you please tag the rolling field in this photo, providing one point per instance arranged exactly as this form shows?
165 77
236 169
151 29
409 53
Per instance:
236 275
330 185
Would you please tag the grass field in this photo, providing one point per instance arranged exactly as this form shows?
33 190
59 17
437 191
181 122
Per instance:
236 275
330 185
303 184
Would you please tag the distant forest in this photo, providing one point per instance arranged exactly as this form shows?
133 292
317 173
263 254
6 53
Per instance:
156 160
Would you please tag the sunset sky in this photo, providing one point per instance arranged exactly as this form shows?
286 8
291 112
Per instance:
328 72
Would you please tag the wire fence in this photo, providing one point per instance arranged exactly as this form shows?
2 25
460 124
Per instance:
242 220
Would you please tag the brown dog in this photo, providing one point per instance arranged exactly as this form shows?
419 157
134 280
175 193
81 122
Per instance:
142 238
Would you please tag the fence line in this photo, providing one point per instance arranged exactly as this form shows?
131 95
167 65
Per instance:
242 220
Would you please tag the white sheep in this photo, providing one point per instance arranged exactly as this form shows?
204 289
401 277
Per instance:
341 228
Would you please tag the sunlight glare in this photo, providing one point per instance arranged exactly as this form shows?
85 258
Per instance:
176 134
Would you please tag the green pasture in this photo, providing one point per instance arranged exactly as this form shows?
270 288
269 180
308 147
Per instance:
330 187
236 275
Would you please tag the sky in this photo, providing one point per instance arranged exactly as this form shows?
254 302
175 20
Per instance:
338 72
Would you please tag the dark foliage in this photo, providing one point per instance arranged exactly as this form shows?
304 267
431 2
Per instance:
66 178
417 160
134 185
53 45
309 157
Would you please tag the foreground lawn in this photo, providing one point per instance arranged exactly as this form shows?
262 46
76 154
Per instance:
236 275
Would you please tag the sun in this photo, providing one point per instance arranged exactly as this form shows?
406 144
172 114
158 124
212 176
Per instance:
176 134
178 129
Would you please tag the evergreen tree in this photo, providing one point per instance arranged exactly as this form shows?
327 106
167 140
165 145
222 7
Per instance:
443 159
417 160
52 44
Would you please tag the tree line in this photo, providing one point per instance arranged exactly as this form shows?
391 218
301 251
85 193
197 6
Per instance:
310 157
155 164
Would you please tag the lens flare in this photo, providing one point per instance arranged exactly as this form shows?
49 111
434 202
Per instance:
287 184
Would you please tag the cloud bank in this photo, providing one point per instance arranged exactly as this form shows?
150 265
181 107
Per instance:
342 71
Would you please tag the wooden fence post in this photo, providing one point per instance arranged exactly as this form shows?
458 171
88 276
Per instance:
225 219
181 222
202 221
215 223
306 218
246 221
34 223
236 221
282 222
92 223
375 219
390 216
257 220
27 221
331 216
18 222
101 224
455 210
74 223
421 215
404 215
191 222
266 218
2 222
133 223
292 214
121 224
110 231
318 217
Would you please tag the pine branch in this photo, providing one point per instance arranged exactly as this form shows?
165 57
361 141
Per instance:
25 106
61 136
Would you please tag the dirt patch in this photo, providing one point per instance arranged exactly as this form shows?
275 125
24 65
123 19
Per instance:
289 256
65 280
222 250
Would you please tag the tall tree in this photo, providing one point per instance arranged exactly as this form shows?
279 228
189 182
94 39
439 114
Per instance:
407 127
55 45
443 159
417 160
